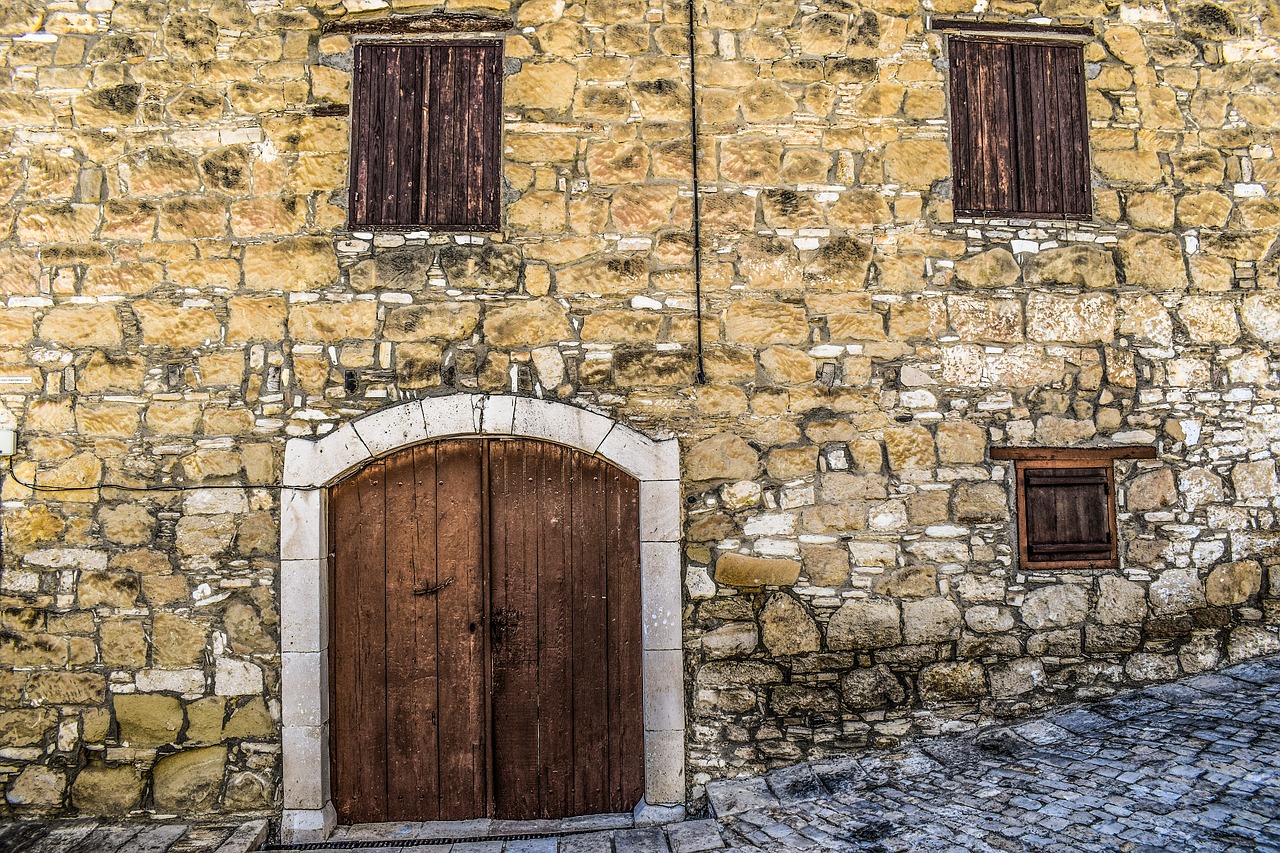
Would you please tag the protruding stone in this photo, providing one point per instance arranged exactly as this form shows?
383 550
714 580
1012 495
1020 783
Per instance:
726 456
741 570
189 782
864 624
1233 583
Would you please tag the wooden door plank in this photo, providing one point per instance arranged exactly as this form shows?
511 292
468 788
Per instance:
357 658
461 666
625 641
555 717
514 635
412 769
589 640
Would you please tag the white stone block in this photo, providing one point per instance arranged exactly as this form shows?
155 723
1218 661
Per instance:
392 428
302 524
457 414
560 423
319 463
190 681
304 688
234 677
304 605
306 767
497 414
660 511
663 690
664 768
303 826
660 594
639 456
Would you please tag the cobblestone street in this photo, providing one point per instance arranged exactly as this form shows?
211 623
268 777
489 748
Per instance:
1190 766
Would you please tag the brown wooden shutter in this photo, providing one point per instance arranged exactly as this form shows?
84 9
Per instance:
462 157
1019 128
1067 514
387 134
981 124
1051 129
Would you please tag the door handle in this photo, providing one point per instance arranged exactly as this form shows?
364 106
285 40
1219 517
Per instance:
431 590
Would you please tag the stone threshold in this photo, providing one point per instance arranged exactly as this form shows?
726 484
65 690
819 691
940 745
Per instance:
443 832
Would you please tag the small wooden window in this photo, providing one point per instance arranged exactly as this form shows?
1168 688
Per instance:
1067 504
1019 128
426 135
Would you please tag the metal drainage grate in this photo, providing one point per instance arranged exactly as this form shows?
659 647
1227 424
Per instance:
426 842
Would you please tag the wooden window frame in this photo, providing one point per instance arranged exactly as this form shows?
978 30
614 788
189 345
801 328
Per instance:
1030 459
1073 203
491 222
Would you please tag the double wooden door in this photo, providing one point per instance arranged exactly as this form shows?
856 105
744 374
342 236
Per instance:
485 639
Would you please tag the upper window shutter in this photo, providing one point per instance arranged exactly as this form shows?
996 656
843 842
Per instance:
387 134
981 125
1051 128
1067 514
462 162
1019 128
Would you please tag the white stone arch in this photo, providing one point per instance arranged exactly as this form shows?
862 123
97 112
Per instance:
310 466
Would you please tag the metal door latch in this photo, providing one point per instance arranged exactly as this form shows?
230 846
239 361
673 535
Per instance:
432 590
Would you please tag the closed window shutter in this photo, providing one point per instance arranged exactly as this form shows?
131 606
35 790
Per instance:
387 134
426 135
1067 514
981 126
1051 129
464 114
1020 128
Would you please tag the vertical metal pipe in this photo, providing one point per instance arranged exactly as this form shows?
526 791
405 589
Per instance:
701 375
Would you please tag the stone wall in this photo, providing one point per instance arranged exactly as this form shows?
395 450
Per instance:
182 297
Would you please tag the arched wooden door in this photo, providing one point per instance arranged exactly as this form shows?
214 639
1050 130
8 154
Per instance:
485 639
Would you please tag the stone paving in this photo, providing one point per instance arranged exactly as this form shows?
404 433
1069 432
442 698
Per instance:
1190 766
91 836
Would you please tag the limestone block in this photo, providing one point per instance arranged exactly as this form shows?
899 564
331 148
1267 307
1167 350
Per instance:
864 624
949 682
189 782
1255 480
613 275
740 570
293 264
1143 666
207 535
916 162
930 620
961 443
1233 583
612 163
653 369
726 456
787 628
788 366
1210 321
765 100
176 327
107 589
1153 261
80 326
766 322
731 640
177 641
100 789
37 785
751 161
27 726
1251 641
329 322
992 268
989 619
527 324
1152 490
1146 318
1176 591
1016 677
541 86
148 719
994 320
909 448
1120 602
1083 319
1140 168
876 687
790 463
450 320
1082 266
1059 606
1261 315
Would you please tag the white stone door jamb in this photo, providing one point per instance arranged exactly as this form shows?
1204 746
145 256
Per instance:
310 466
